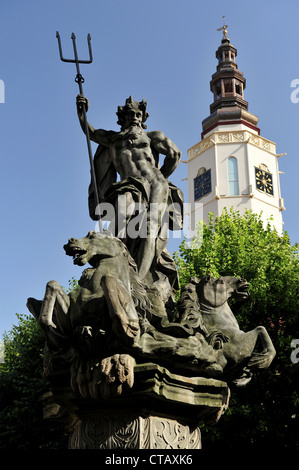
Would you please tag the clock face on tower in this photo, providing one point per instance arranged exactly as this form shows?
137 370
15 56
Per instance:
264 181
202 185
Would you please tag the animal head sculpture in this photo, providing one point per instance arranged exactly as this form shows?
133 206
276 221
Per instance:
215 292
93 248
99 247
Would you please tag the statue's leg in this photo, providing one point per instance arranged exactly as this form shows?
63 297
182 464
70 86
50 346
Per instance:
241 347
121 308
125 208
54 293
263 359
158 207
133 228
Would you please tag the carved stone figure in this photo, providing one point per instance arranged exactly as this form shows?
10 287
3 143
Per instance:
88 328
99 330
133 154
122 319
207 309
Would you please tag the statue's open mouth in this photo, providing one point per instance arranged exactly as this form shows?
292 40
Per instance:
242 289
76 252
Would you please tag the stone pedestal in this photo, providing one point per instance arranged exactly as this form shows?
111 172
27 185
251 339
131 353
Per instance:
128 432
161 411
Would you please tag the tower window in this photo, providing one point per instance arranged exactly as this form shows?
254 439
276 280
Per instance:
228 86
233 179
238 89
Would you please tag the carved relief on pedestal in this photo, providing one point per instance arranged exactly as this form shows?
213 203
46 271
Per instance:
102 432
169 434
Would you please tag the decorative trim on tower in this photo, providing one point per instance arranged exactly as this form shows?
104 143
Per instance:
232 137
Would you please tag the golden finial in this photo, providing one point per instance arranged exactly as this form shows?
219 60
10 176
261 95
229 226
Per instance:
224 29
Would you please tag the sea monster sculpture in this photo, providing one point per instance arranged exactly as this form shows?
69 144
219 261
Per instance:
94 332
205 302
98 331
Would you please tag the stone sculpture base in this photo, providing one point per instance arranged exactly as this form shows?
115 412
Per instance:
129 432
161 411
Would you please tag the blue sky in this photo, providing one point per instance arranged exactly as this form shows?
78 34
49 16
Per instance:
160 50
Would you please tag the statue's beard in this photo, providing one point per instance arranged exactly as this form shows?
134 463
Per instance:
132 132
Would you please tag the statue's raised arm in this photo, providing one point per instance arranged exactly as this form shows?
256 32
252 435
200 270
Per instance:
99 136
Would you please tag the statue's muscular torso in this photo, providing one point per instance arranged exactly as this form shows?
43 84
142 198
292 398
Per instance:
132 155
132 149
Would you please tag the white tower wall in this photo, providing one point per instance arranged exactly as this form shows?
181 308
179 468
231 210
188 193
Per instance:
250 151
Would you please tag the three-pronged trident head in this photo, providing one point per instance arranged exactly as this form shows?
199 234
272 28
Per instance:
79 79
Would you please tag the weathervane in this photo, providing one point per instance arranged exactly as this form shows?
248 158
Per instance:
224 29
79 79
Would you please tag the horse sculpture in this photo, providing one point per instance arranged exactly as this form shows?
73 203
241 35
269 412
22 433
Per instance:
209 311
100 318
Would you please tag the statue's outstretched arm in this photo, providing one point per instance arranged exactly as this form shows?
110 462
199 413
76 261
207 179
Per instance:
165 146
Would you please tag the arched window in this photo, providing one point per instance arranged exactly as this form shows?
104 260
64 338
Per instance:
233 180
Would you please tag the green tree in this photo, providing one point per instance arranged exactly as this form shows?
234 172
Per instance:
21 388
266 411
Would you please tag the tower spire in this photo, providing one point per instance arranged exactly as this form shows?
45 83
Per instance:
228 85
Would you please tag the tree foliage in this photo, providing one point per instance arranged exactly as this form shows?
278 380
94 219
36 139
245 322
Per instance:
21 388
266 411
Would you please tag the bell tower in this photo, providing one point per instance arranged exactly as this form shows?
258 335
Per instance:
233 165
228 83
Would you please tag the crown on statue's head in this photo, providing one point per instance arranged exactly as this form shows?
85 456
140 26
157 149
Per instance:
132 104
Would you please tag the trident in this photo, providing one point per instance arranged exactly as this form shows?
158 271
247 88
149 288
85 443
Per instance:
79 79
